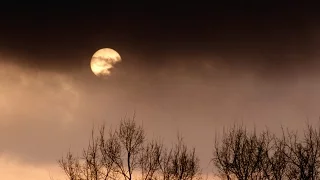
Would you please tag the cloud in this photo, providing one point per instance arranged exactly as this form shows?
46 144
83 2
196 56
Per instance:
46 112
36 107
26 93
13 169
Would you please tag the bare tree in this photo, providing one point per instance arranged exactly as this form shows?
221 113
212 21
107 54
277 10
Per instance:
149 160
123 147
246 155
240 154
108 158
93 163
90 166
110 150
71 166
164 162
179 163
125 151
303 155
273 163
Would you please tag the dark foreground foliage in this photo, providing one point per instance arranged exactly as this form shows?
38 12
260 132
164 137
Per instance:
125 153
247 155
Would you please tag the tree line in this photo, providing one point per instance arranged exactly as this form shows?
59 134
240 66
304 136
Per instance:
126 153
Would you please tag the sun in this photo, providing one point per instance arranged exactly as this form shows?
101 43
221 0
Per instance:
103 61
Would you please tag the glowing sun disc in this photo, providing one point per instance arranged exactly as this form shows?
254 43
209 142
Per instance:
103 60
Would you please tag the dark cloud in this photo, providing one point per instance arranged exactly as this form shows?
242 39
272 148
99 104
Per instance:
65 38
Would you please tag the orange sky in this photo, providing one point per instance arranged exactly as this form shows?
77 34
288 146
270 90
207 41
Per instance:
185 72
44 113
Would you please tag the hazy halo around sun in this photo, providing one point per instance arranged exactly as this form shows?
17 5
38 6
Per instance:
103 61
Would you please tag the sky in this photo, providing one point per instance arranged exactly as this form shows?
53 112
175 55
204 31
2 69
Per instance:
186 68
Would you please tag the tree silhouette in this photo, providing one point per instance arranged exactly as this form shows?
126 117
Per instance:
244 155
274 162
71 167
179 163
150 158
240 154
124 151
123 147
303 155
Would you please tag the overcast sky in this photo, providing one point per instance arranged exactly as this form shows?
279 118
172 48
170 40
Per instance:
192 69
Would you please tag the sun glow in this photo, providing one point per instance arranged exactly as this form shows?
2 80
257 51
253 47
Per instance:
104 60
